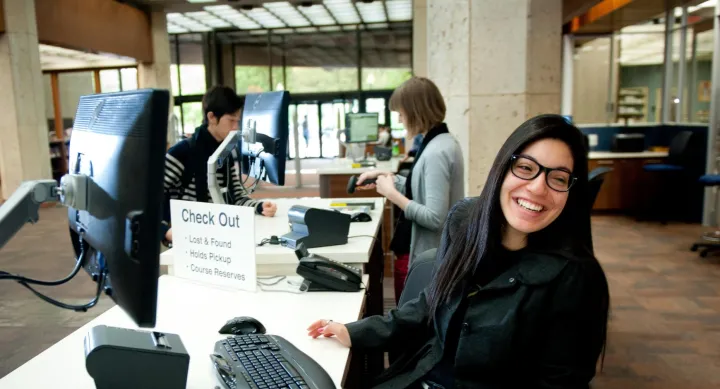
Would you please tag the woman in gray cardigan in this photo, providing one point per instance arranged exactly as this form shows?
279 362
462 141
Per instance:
435 182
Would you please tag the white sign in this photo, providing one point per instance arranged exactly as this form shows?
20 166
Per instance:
214 243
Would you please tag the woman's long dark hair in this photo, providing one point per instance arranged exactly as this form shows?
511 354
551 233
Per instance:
569 233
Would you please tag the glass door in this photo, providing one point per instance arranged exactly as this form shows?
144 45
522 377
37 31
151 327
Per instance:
308 130
333 121
376 105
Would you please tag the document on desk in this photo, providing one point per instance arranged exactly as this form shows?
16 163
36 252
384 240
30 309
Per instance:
214 243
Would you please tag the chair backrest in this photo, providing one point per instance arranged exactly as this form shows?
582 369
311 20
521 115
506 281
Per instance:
595 180
680 148
419 276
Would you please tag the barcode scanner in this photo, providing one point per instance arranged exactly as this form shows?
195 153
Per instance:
352 183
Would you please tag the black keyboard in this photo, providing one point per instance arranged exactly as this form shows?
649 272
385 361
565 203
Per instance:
266 362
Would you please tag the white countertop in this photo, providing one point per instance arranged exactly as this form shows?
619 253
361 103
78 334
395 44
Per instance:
642 154
279 260
345 166
196 312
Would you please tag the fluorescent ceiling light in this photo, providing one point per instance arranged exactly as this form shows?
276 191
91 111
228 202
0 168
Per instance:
175 29
343 11
372 12
265 18
288 13
317 15
399 10
307 29
201 1
283 31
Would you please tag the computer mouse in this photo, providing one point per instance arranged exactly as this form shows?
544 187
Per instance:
360 217
243 325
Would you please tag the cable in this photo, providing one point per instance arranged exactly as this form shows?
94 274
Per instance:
363 236
77 308
301 289
279 278
78 265
25 282
273 240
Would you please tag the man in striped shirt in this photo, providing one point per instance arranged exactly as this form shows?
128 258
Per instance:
186 161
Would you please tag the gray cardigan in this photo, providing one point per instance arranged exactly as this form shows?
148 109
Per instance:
438 182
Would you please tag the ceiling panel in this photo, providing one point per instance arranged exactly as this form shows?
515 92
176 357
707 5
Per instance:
192 16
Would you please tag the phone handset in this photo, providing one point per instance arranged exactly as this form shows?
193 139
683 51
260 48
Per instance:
327 273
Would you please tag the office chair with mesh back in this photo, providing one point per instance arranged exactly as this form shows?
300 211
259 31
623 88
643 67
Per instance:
595 180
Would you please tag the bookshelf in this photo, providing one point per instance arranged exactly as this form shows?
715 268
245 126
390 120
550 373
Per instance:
632 105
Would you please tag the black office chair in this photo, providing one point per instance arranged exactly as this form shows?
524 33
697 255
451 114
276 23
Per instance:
595 180
418 278
678 174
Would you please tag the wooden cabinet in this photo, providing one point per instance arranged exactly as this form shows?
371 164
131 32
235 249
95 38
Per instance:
626 186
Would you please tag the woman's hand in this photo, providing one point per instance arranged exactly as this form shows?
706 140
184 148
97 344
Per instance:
328 328
372 174
269 208
385 185
168 235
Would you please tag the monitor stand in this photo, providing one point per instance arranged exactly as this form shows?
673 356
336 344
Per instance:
356 152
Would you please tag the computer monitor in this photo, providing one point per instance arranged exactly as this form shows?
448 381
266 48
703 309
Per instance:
119 142
267 113
362 127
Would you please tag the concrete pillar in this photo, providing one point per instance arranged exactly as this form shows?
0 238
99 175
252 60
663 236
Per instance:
24 149
568 65
419 55
157 74
497 63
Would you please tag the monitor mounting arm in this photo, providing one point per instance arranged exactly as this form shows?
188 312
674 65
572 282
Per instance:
254 142
24 204
251 137
216 160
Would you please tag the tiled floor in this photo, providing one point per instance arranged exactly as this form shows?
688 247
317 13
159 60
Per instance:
664 331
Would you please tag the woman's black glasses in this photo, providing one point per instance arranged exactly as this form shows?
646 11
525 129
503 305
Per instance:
527 168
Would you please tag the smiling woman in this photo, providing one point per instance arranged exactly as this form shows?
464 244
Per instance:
517 295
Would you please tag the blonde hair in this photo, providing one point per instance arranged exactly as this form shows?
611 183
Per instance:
421 104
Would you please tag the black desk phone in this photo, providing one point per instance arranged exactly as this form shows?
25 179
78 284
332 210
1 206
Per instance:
325 274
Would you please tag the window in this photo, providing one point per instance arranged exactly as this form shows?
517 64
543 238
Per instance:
323 62
109 80
386 58
129 78
189 77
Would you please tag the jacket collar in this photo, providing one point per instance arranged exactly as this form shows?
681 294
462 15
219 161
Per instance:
533 268
207 144
537 268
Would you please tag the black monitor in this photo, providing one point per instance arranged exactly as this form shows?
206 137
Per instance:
119 142
362 127
268 114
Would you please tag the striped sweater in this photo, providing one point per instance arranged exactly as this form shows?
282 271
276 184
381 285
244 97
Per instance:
179 157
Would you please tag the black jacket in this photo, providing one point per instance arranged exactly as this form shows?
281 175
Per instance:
540 324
